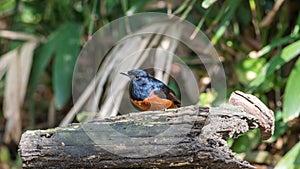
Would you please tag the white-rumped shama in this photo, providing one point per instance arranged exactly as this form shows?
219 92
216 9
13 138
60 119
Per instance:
148 93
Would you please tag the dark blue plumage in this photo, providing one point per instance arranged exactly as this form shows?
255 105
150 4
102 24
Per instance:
143 86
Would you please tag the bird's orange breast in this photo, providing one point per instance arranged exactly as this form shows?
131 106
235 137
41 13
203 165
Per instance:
154 102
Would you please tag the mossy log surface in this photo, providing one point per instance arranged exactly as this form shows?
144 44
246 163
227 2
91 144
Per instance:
189 137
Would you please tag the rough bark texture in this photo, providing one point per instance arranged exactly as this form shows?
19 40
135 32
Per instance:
252 105
190 137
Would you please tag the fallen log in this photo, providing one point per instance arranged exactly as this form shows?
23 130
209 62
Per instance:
190 137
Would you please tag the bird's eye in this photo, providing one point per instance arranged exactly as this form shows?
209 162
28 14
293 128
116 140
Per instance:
137 76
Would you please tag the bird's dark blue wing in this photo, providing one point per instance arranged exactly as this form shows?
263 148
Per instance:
165 92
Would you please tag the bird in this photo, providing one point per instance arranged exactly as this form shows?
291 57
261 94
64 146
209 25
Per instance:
148 93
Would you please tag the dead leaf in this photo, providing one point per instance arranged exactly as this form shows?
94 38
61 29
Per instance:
25 62
18 67
20 36
11 105
5 60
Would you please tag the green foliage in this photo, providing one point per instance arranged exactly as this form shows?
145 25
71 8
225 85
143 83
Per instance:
255 55
83 116
248 69
228 13
4 154
206 99
5 158
262 71
287 54
67 43
7 6
247 141
291 106
280 126
291 160
64 44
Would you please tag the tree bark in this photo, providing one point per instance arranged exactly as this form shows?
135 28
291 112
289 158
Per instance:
190 137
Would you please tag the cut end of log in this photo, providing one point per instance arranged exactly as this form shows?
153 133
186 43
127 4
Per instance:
252 105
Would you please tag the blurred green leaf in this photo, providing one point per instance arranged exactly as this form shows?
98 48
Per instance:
230 142
280 127
296 29
288 53
18 162
232 6
67 50
181 7
291 106
135 6
273 45
244 16
248 69
207 3
4 154
111 4
206 99
7 6
174 86
247 141
39 64
290 160
84 116
64 44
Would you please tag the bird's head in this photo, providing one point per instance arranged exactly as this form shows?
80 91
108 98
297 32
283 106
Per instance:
136 74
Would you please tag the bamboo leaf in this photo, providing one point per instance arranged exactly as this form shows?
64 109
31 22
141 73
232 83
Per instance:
291 106
6 7
226 20
288 53
273 45
40 62
290 159
68 36
207 3
64 45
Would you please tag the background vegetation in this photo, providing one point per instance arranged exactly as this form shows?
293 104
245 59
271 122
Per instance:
258 42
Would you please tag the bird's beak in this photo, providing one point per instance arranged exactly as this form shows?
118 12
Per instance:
124 73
